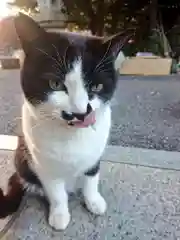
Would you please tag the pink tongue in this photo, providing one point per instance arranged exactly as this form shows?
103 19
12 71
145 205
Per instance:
89 120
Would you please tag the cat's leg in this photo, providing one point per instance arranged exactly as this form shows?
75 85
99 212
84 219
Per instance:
93 199
59 215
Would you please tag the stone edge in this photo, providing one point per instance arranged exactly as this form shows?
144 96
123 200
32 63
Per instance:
118 154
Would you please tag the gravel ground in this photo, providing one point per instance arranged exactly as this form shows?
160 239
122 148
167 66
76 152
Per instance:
146 113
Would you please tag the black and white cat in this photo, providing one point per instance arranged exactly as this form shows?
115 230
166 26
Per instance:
68 81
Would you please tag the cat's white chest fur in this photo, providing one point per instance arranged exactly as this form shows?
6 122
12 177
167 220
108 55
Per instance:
62 151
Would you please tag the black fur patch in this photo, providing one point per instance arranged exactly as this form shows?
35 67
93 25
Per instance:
22 161
10 202
18 182
93 171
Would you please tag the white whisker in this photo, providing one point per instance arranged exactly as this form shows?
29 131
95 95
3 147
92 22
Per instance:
64 58
104 56
53 58
49 75
58 70
105 62
58 55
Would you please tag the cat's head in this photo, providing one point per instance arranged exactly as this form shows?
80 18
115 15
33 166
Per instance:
68 75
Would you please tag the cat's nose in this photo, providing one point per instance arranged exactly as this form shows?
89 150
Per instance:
89 109
81 116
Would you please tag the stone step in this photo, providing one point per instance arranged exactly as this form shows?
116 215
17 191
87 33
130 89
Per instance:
143 203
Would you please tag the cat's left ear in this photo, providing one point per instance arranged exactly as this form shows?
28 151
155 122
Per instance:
114 45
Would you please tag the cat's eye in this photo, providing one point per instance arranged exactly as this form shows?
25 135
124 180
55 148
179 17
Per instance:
97 88
55 84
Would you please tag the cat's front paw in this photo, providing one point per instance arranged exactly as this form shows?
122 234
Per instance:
96 204
59 220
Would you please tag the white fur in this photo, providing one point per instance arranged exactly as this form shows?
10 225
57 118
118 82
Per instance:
94 201
77 94
61 152
77 99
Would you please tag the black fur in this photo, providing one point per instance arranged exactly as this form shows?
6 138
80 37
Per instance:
10 202
22 161
93 171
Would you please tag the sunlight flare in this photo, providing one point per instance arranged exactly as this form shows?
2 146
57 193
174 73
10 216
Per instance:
4 9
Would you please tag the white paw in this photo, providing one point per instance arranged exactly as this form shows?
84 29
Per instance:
59 220
96 204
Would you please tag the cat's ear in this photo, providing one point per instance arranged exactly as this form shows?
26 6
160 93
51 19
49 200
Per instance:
114 45
29 32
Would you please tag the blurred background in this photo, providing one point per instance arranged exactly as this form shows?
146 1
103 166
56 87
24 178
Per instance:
157 22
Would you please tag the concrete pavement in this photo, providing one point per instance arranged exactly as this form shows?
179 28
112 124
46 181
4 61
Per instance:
143 201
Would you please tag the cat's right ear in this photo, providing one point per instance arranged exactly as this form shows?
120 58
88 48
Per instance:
30 34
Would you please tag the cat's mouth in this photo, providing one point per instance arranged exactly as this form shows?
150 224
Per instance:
89 120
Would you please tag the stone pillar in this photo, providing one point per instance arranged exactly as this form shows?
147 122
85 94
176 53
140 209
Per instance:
49 10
